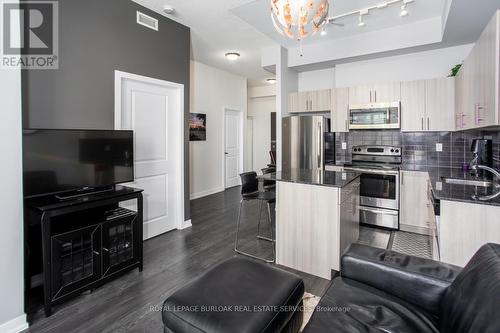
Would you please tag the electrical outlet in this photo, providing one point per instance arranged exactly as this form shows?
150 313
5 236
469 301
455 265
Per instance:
439 186
344 145
439 147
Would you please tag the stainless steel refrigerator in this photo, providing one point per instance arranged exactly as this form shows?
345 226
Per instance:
303 142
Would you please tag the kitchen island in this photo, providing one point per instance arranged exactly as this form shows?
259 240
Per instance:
317 217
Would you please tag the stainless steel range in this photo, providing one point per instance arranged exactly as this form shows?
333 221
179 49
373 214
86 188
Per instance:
379 167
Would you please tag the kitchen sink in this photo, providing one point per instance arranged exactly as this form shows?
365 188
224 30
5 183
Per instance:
471 182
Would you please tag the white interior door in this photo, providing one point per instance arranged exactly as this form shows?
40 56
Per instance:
232 150
151 111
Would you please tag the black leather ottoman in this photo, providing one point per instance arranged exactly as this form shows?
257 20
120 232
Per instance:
237 295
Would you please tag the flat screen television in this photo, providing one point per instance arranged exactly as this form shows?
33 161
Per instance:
60 161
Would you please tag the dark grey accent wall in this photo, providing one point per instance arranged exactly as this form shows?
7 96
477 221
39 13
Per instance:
96 38
419 149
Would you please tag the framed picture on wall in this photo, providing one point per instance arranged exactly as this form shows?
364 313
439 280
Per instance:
197 127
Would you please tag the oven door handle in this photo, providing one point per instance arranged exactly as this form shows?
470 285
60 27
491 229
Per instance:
379 211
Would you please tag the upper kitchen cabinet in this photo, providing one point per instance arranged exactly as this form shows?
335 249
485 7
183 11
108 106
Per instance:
293 102
376 93
321 100
310 101
428 105
340 110
440 104
478 81
412 106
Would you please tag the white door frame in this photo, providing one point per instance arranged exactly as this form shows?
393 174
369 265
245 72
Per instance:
177 135
242 136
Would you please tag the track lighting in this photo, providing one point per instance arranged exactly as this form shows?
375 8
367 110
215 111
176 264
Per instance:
361 23
404 11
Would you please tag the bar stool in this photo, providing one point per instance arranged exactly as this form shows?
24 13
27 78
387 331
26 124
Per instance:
250 191
269 185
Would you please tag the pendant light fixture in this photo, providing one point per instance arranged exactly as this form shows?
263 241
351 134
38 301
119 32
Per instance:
298 19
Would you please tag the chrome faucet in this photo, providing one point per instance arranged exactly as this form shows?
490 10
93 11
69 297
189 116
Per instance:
495 173
474 166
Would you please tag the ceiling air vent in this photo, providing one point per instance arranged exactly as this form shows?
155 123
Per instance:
147 21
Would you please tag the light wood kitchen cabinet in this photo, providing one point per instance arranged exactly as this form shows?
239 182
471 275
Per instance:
375 93
340 110
360 95
321 100
293 102
477 83
412 106
387 92
428 105
464 228
440 104
305 101
415 212
314 225
310 101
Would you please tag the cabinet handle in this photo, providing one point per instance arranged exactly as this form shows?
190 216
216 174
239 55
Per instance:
375 92
105 249
370 96
428 124
478 113
422 123
402 178
463 123
96 253
347 125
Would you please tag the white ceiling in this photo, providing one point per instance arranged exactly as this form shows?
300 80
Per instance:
244 26
215 30
256 13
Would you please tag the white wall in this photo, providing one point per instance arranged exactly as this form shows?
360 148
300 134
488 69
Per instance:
408 67
212 90
317 80
413 66
12 318
259 109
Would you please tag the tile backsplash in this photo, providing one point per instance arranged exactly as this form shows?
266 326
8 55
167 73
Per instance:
419 148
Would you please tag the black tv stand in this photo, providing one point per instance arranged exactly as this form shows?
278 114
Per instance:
83 192
78 244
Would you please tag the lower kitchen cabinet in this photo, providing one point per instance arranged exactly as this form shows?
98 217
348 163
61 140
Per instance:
314 225
464 228
416 211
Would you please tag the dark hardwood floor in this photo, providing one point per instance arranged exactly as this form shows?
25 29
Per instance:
131 303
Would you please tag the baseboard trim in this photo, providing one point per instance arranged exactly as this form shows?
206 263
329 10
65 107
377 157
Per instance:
186 224
206 193
15 325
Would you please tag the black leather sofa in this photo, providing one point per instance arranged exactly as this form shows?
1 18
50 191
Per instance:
385 291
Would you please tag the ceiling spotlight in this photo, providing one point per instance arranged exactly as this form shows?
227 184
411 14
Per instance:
361 23
232 56
323 32
271 80
168 10
404 11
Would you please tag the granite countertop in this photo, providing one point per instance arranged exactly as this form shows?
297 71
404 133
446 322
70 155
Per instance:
456 192
313 177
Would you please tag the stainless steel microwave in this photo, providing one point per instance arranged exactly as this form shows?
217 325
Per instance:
375 116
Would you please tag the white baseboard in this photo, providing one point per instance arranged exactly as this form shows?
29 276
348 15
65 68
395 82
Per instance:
15 325
206 193
185 224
